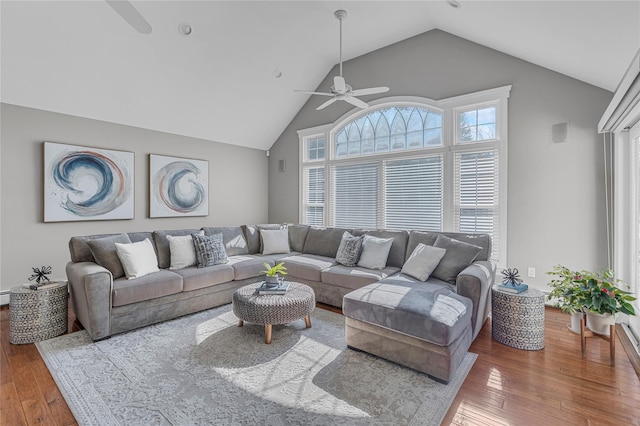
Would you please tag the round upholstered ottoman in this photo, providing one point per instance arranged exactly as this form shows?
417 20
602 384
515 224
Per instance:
298 302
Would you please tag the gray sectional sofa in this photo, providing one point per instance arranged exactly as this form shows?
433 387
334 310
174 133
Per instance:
427 326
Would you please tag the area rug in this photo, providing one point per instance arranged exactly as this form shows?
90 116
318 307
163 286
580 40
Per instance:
203 369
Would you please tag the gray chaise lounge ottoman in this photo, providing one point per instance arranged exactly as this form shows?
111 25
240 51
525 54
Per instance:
424 326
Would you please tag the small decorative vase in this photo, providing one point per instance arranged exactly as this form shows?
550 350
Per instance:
599 323
272 281
576 319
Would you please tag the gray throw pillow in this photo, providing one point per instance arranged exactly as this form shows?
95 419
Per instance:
375 252
209 250
423 261
458 256
349 249
105 254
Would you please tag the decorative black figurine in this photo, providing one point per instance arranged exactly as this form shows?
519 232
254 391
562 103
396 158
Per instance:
511 277
40 275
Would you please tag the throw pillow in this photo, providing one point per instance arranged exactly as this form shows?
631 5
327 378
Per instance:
138 259
349 250
375 252
209 250
275 241
183 252
458 256
423 260
105 254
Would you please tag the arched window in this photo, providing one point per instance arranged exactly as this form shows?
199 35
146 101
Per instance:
390 129
411 164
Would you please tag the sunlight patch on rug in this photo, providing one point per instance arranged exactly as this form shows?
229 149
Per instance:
204 369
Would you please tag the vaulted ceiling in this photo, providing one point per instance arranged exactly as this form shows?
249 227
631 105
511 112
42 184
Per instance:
219 84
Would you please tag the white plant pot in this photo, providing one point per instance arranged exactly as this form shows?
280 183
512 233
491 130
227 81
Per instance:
272 281
599 323
576 319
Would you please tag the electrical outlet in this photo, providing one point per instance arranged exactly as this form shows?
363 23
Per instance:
531 272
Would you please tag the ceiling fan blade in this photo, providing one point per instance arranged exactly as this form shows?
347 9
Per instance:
356 102
370 91
339 84
129 13
326 104
314 93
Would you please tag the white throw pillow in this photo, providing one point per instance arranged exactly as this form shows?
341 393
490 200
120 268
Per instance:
138 259
275 241
423 261
183 252
375 252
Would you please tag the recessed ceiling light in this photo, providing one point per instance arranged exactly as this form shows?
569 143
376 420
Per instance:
185 29
277 74
454 3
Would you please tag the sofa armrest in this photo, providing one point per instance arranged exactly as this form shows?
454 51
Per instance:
475 282
90 286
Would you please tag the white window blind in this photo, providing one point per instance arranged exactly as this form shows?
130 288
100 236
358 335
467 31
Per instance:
313 181
476 206
413 193
355 196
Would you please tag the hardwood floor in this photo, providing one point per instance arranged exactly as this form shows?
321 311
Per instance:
506 386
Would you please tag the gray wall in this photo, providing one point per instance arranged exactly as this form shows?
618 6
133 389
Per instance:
555 191
237 185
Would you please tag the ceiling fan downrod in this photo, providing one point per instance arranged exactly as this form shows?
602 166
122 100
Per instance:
340 14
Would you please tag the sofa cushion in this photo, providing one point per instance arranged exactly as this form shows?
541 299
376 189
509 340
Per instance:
423 261
297 236
195 278
323 241
209 250
429 238
162 244
349 249
275 241
157 284
458 256
375 252
307 266
182 251
252 235
354 277
80 250
431 312
398 251
138 259
105 254
248 266
233 237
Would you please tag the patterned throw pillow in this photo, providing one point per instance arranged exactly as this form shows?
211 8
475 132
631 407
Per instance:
349 250
209 250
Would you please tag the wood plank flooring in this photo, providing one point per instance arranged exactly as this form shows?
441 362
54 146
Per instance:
506 386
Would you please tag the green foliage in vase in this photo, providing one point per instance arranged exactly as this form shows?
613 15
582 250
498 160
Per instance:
573 291
272 271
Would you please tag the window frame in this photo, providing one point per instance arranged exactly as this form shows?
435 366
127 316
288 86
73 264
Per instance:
450 108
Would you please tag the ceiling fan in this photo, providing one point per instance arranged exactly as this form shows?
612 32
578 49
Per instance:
341 91
129 13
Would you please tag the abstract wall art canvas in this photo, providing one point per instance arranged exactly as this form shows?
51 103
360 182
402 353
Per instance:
178 186
83 183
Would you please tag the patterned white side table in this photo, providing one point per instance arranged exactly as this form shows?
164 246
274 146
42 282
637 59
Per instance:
517 320
36 315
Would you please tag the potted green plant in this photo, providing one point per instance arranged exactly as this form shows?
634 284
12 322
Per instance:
600 294
273 273
567 295
604 298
